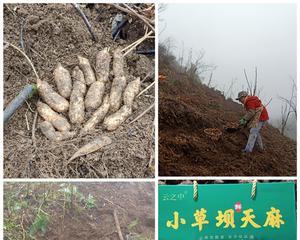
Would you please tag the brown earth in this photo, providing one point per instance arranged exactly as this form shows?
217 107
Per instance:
56 33
133 203
186 109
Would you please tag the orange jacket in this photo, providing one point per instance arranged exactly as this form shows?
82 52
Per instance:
252 103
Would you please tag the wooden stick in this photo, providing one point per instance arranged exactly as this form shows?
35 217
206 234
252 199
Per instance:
33 130
249 85
27 58
138 42
145 89
112 203
118 225
147 76
143 18
142 114
132 12
87 23
26 118
268 102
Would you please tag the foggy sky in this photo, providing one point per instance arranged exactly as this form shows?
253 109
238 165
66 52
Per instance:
238 36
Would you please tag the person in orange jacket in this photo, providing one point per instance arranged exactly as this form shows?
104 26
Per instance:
255 118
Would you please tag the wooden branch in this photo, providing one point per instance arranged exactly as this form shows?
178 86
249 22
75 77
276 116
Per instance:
86 21
143 18
136 43
27 58
118 225
268 102
33 130
210 78
249 86
145 89
142 114
132 12
255 82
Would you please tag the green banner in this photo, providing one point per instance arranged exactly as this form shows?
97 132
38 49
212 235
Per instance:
226 211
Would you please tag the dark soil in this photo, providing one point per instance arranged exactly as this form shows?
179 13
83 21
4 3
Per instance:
186 109
133 203
56 33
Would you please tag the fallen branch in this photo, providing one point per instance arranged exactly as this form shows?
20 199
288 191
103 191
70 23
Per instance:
142 114
86 21
130 45
27 58
114 204
118 225
136 43
132 12
23 23
26 118
147 76
145 89
146 20
33 130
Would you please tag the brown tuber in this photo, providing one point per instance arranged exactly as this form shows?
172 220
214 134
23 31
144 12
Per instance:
63 81
92 146
116 93
113 121
56 119
93 98
103 59
97 116
118 63
77 75
50 133
76 109
52 98
87 70
131 90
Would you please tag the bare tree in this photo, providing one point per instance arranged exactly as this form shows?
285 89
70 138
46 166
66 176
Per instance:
210 79
289 107
195 66
252 86
229 92
162 8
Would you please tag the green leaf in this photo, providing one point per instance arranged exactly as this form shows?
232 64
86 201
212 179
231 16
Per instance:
40 223
133 224
90 202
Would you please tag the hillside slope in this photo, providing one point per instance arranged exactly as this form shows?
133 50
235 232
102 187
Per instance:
186 109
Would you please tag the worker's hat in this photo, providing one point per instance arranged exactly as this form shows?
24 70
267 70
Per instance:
242 94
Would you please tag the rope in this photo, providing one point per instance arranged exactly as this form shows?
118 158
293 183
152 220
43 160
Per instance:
195 190
253 191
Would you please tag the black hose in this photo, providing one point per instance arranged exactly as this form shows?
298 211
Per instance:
116 31
18 101
146 52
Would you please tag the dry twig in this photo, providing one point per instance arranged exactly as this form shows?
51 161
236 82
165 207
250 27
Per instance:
142 114
33 130
86 21
136 43
145 89
118 225
27 58
129 10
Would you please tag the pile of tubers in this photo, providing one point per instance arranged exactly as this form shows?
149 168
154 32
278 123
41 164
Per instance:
85 90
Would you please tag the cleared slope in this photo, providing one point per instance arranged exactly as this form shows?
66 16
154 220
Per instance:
186 109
